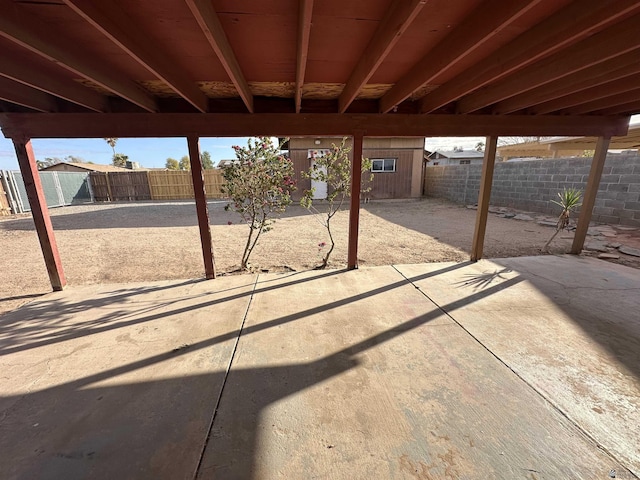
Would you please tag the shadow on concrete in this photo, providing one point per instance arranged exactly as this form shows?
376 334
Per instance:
160 429
45 323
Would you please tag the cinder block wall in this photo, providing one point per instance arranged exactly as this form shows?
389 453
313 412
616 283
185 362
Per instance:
531 185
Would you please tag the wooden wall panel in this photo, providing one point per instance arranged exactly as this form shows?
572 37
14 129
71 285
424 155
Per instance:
392 184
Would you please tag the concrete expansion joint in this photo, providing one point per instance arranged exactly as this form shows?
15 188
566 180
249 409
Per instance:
226 376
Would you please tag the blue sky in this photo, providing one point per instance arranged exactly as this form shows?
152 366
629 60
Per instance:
149 152
153 152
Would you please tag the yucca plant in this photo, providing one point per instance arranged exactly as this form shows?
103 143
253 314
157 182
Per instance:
569 201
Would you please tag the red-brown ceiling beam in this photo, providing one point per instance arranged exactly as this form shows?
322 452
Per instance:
209 22
576 21
92 125
589 95
41 39
613 69
20 94
612 42
479 26
391 28
304 30
22 72
606 102
113 23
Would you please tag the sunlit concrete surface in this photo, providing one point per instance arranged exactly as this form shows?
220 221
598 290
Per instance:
515 368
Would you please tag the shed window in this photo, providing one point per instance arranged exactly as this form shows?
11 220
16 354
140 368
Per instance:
465 162
383 165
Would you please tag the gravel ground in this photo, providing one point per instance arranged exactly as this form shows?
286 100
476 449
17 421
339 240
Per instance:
127 242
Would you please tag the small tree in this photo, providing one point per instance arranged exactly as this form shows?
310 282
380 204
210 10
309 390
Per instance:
334 169
120 160
185 163
205 158
569 200
172 164
259 185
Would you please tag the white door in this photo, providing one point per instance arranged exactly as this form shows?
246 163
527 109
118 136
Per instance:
320 188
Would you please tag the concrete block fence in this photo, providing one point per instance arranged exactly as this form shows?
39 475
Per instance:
530 185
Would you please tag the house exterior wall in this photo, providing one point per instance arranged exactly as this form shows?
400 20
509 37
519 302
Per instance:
533 184
405 182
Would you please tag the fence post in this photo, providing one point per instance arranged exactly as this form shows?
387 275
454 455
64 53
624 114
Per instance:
109 195
90 188
56 184
13 205
16 192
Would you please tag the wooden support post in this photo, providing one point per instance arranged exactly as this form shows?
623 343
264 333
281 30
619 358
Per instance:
354 210
39 211
591 190
483 198
201 206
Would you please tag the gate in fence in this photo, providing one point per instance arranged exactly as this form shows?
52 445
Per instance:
60 188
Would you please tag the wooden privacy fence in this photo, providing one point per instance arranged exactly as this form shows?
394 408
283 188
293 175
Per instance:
152 185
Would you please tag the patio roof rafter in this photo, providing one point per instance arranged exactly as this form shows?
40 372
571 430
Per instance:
26 96
609 101
625 109
21 71
302 51
395 23
609 43
574 22
112 22
209 22
603 73
623 85
479 26
24 30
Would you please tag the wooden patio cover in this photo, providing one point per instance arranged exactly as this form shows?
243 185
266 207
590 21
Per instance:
192 68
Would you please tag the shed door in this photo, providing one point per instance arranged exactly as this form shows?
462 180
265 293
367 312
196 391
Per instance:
320 188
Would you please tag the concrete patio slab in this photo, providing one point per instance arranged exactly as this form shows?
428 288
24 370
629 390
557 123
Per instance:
374 373
362 376
569 326
115 381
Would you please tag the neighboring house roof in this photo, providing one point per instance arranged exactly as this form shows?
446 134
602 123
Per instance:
457 154
225 163
570 145
91 167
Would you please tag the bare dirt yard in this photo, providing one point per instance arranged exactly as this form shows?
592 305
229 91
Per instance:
130 242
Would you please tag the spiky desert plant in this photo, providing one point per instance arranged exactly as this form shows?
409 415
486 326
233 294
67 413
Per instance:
569 201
